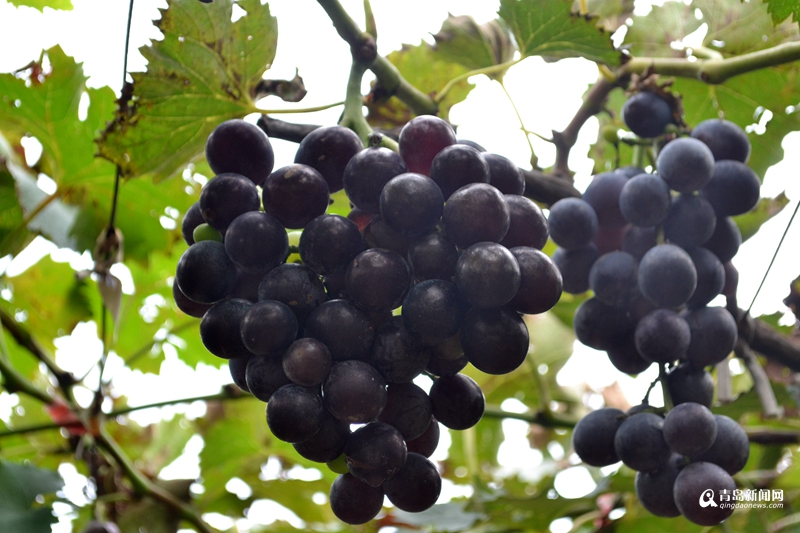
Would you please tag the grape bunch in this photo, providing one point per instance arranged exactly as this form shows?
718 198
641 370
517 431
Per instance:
431 270
655 250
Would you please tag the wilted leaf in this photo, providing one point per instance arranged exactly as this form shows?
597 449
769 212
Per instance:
549 28
611 13
464 41
292 90
204 71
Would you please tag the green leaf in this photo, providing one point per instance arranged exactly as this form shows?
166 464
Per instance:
204 71
749 223
19 486
782 9
13 235
548 28
742 27
651 35
425 68
464 41
153 516
611 13
64 5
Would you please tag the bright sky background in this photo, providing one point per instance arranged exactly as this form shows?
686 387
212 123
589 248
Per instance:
546 95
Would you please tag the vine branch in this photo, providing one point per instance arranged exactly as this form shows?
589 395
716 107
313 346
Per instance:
546 419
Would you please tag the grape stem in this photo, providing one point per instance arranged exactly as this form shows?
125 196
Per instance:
546 419
724 383
488 71
534 159
662 377
761 383
646 399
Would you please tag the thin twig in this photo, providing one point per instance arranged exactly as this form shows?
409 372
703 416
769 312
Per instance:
295 110
544 419
761 383
724 383
492 69
534 159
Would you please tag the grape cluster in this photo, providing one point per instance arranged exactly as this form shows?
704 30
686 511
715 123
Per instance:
655 249
431 270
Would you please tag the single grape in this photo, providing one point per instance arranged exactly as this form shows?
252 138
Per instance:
328 150
593 436
296 286
220 329
662 336
714 335
473 144
295 195
495 341
613 278
411 203
487 275
458 401
295 413
725 240
307 362
667 276
375 453
395 355
603 194
622 353
734 189
731 447
242 148
640 443
204 232
353 501
268 328
710 277
439 365
190 307
265 375
690 221
408 409
540 283
688 383
575 266
378 280
696 486
527 224
343 328
456 166
354 392
476 213
599 325
366 174
725 139
205 274
432 311
573 223
421 139
416 486
256 241
328 443
378 234
638 240
646 114
690 429
359 217
225 197
330 242
686 164
505 175
654 489
426 443
433 256
238 370
645 200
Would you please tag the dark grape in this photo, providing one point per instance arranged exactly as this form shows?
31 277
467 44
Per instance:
238 370
225 197
527 224
654 489
599 325
307 362
630 171
476 213
416 486
646 114
359 217
220 329
328 150
268 328
394 353
335 284
613 278
609 239
296 286
190 307
458 401
710 277
731 447
734 189
487 275
256 241
246 286
725 139
667 276
640 443
686 164
473 144
575 266
426 443
264 375
330 242
295 413
366 174
573 223
411 203
408 409
688 383
432 311
714 335
495 341
540 283
725 240
505 175
354 392
242 148
731 282
638 240
622 353
433 256
421 139
701 482
375 453
440 365
690 221
205 274
645 200
295 195
690 429
192 219
378 279
353 501
603 195
456 166
662 336
593 436
378 234
328 443
345 330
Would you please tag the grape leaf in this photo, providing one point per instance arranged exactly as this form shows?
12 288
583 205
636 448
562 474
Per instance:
464 41
548 28
19 486
13 235
651 34
64 5
780 10
741 27
203 72
424 67
612 13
